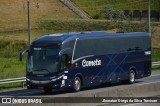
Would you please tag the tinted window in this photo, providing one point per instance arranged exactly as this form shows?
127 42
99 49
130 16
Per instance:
110 45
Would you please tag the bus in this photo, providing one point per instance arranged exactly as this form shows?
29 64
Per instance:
76 60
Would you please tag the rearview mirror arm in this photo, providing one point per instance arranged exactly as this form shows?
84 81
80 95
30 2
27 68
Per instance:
22 54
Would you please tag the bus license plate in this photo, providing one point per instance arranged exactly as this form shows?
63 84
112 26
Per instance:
40 87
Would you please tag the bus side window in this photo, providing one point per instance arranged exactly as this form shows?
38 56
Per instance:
65 61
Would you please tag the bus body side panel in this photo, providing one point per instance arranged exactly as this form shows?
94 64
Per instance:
118 55
113 68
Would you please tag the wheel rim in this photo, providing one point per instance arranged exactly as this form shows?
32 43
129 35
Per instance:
77 84
132 77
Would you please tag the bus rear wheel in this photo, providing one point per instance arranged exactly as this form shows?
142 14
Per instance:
77 84
131 79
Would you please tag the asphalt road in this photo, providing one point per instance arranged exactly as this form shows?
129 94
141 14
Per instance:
155 77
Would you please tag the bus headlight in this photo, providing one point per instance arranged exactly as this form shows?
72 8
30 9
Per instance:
53 79
28 79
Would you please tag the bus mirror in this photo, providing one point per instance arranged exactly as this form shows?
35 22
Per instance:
22 54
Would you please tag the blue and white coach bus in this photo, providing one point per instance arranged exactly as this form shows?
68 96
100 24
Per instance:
76 60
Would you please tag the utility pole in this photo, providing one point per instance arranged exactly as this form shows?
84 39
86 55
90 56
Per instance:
149 17
29 24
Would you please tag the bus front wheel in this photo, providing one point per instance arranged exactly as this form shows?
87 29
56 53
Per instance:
77 84
131 79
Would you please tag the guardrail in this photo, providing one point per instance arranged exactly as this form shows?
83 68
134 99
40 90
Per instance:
13 80
155 63
23 79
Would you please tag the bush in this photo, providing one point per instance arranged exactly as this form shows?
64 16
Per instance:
76 25
114 15
133 27
91 25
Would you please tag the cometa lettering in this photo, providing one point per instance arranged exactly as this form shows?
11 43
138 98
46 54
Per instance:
86 63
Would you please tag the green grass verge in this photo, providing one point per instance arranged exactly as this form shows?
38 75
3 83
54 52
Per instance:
11 68
156 54
11 86
156 68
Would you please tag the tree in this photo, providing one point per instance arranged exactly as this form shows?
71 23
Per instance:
114 15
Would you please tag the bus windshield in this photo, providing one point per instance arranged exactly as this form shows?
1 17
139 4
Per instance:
42 60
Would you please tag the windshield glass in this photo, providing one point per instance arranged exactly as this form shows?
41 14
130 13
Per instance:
42 60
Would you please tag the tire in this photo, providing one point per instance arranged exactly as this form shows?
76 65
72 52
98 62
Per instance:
132 76
77 84
48 91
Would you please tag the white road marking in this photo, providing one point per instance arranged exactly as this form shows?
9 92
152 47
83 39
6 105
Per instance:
147 83
155 75
142 104
132 104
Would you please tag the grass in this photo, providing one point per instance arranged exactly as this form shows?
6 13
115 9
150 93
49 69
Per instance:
11 68
95 7
14 13
156 36
156 54
11 86
156 68
76 25
22 36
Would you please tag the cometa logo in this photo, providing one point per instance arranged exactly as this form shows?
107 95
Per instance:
86 63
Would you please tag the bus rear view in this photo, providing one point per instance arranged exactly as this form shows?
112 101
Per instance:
77 60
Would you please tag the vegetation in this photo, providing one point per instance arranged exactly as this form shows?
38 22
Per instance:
11 86
94 7
156 54
9 54
14 13
156 68
76 25
112 14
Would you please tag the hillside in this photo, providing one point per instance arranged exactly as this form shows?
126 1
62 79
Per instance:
13 13
94 7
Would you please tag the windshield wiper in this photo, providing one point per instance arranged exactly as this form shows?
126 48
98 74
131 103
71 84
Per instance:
42 70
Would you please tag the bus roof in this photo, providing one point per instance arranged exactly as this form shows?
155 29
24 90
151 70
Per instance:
66 37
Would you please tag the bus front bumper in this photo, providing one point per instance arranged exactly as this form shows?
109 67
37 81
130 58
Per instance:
48 84
33 84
